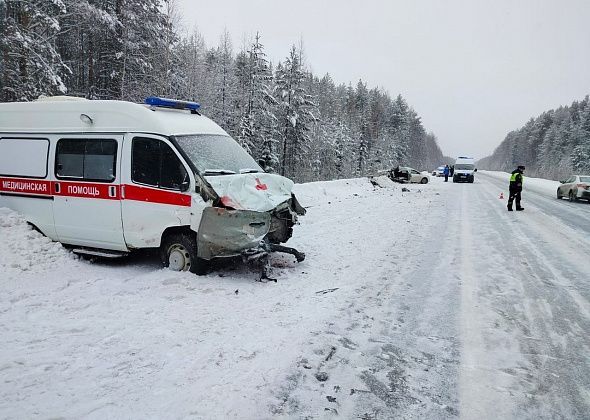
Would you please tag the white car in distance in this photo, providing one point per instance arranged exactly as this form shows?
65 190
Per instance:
574 188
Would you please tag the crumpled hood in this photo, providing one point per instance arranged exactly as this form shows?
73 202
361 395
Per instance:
254 191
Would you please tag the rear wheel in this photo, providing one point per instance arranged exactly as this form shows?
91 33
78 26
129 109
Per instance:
424 181
559 196
179 253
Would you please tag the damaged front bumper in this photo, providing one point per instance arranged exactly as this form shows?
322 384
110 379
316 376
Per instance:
225 232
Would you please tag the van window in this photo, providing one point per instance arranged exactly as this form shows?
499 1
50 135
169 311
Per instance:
22 157
154 163
86 159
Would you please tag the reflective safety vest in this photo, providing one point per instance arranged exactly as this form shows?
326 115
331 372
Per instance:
513 178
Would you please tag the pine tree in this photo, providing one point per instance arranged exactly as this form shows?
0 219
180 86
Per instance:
295 115
581 153
257 126
30 65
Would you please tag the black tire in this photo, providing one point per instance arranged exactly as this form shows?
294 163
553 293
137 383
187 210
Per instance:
559 196
571 196
179 252
424 181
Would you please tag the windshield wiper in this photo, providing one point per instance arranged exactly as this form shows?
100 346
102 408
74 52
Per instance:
249 171
217 172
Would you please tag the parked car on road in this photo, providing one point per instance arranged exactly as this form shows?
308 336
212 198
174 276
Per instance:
440 171
574 188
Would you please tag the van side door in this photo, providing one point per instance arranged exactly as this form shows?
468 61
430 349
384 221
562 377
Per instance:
86 189
156 189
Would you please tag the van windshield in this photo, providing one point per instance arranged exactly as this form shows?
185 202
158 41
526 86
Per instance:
464 167
214 154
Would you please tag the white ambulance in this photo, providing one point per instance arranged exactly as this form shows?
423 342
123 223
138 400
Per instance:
464 169
108 177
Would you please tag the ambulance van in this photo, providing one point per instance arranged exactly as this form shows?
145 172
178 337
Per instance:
464 169
109 177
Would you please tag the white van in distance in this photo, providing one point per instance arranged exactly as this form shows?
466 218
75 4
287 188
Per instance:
464 169
108 177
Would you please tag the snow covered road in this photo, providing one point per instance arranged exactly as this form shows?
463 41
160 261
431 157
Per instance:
432 303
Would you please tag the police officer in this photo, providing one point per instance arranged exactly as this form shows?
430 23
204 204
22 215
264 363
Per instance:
516 188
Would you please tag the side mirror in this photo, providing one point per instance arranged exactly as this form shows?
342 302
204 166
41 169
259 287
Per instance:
186 183
262 163
475 170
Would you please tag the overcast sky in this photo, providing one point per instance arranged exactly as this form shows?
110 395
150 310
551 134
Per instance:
472 69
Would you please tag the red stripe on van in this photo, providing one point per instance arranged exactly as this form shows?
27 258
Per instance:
86 190
25 186
153 195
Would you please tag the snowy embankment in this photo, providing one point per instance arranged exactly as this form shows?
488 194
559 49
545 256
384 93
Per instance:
540 185
23 249
128 339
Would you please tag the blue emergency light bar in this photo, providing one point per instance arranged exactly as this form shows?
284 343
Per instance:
171 103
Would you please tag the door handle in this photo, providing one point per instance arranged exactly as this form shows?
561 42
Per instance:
56 187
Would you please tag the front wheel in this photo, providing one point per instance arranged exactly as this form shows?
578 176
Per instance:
571 196
179 253
559 196
424 181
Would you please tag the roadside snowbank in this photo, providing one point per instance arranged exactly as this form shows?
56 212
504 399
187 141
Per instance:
540 185
23 249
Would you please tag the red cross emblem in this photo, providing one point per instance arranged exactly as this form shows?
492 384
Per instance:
260 186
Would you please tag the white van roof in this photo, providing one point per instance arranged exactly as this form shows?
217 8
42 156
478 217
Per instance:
64 115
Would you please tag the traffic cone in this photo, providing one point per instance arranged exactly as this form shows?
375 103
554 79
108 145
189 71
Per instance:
501 196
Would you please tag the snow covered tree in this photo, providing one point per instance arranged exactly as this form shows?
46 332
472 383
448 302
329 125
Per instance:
581 152
30 65
295 115
257 125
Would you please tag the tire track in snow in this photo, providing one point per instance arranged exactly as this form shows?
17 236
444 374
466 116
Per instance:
540 309
479 383
391 350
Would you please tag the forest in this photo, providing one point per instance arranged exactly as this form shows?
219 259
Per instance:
554 145
299 124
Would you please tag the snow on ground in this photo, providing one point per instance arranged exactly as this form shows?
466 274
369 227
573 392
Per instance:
434 302
96 339
23 249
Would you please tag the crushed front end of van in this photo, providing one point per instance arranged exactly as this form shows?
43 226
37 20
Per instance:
252 215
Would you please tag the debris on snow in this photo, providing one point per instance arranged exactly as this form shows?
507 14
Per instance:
321 376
